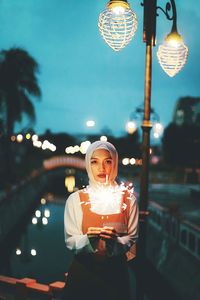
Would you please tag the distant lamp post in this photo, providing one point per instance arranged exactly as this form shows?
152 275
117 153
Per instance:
117 24
132 124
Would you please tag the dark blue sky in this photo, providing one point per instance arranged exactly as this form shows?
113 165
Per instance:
81 77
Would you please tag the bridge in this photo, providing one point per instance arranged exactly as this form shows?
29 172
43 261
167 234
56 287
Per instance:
63 161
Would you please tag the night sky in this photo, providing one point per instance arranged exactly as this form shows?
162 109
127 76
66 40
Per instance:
82 78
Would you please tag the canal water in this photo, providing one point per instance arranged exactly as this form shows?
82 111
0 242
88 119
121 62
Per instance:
39 249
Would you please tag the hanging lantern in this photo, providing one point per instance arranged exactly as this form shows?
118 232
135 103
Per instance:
172 55
117 24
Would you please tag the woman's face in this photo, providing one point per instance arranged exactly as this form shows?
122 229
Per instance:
101 165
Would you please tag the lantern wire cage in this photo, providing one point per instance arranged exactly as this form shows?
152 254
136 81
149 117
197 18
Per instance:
117 27
172 56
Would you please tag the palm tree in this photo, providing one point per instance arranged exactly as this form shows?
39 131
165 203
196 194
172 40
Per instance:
18 86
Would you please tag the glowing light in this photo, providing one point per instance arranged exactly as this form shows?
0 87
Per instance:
18 251
33 252
117 24
90 123
44 221
34 220
131 127
35 137
37 144
38 213
155 160
70 183
43 201
47 213
13 138
76 148
158 128
132 161
172 55
103 138
28 136
52 148
156 135
72 150
118 10
84 146
125 161
20 138
67 150
106 199
45 145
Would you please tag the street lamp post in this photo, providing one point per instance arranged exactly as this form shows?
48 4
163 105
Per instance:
149 28
131 125
117 25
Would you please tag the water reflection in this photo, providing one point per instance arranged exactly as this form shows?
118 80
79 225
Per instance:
40 252
41 216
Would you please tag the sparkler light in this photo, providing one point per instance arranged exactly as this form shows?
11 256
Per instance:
107 199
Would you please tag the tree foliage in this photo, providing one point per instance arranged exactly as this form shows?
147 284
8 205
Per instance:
18 84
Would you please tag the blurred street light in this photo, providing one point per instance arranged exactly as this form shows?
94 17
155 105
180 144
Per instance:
70 183
90 123
131 127
136 118
103 138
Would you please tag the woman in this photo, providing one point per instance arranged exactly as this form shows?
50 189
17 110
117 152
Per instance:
101 226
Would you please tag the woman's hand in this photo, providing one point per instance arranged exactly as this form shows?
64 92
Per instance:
94 232
108 233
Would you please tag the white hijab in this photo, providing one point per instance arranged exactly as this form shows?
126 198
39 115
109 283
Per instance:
114 155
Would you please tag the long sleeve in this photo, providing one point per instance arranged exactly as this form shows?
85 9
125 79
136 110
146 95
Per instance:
74 238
